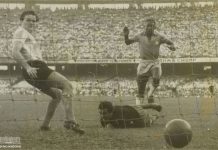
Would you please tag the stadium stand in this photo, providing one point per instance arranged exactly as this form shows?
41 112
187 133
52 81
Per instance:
97 33
169 87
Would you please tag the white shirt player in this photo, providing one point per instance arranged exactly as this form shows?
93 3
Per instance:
31 49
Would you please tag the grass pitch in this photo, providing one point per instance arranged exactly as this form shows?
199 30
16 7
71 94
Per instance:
21 117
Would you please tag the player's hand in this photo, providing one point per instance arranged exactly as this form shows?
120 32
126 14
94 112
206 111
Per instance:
32 72
12 83
109 126
172 47
126 31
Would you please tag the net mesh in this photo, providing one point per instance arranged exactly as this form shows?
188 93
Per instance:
87 46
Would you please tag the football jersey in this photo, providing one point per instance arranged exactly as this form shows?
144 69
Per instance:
31 49
149 48
128 117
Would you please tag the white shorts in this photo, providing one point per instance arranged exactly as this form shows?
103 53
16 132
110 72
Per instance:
149 67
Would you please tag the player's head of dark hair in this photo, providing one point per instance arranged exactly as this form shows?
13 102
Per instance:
150 26
106 105
28 12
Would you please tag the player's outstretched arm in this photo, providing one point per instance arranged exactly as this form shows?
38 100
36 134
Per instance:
126 36
21 60
170 44
154 106
167 41
16 50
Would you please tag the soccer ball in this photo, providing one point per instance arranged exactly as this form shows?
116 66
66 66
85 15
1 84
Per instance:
178 133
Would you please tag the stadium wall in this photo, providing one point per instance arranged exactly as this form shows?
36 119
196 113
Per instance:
98 1
97 70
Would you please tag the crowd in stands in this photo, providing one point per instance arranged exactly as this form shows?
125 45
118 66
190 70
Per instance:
169 87
97 33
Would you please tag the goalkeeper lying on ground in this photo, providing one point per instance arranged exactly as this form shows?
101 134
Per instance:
127 116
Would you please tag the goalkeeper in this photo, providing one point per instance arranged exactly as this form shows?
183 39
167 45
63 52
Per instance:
127 116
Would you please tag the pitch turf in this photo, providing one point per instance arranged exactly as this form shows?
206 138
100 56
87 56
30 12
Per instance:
22 118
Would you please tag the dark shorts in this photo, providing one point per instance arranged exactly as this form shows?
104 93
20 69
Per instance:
43 73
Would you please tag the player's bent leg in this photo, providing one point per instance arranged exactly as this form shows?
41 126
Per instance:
156 82
152 88
139 100
148 120
56 95
156 74
61 82
141 83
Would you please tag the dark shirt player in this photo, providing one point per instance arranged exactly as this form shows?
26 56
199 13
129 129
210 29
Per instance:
126 116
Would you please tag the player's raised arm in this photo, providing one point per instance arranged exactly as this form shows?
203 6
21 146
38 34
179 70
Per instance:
126 36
